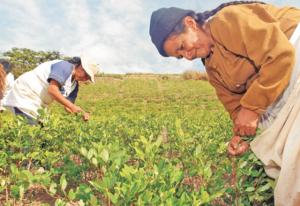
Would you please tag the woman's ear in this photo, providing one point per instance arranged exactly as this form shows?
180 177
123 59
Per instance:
190 22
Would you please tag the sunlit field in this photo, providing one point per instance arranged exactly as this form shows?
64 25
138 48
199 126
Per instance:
151 140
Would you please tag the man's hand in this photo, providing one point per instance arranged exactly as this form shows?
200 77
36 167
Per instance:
237 146
246 122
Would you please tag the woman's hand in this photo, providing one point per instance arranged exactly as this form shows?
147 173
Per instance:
86 116
237 146
246 122
75 109
53 90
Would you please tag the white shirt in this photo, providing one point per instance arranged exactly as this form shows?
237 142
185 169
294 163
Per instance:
30 90
9 81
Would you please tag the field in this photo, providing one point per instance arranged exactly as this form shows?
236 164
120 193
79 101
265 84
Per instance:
151 140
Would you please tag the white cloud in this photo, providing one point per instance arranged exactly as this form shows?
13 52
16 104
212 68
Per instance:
114 31
26 28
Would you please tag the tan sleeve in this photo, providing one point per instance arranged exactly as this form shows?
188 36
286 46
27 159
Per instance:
230 101
255 34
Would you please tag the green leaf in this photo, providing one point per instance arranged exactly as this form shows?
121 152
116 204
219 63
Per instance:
90 153
21 192
94 161
128 171
83 151
144 140
59 202
93 201
3 182
198 150
207 173
264 187
52 188
178 128
113 197
104 155
63 182
204 196
250 189
139 153
71 194
243 164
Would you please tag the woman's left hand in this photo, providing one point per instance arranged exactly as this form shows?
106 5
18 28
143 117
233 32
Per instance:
237 146
246 122
86 116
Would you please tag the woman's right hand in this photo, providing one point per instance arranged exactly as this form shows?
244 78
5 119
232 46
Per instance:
75 109
86 116
246 122
237 146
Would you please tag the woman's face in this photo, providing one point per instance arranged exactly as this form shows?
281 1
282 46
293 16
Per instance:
192 43
80 74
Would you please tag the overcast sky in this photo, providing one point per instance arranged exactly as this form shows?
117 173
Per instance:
115 32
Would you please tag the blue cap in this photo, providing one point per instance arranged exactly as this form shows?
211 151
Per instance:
163 22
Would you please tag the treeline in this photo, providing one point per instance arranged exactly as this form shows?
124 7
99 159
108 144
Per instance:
23 59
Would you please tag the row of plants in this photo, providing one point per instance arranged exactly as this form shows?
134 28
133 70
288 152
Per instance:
157 160
149 142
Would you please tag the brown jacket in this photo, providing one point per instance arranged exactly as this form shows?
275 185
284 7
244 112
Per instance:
252 59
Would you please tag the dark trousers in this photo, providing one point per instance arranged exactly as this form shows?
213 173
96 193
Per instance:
30 120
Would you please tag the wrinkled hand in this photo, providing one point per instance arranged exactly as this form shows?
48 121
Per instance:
86 116
246 122
237 146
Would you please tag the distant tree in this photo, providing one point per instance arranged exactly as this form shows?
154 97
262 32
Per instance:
24 59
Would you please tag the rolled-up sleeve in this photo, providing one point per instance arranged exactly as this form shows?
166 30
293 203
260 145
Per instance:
60 72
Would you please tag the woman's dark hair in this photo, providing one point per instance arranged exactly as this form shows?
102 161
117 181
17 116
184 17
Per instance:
201 17
75 60
6 65
2 80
